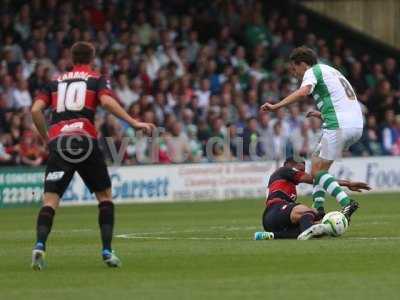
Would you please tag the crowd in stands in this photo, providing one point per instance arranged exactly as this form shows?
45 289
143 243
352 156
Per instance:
198 72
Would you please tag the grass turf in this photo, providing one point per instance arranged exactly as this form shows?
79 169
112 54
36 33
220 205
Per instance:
202 251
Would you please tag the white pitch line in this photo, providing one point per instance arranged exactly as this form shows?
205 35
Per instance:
375 238
371 223
127 236
225 228
233 228
74 230
141 237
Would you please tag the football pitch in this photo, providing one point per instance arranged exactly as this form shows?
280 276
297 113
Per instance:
202 250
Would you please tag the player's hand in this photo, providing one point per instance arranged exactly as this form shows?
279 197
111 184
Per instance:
314 113
269 107
358 186
148 128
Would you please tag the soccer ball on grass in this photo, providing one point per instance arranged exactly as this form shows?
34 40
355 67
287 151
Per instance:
337 222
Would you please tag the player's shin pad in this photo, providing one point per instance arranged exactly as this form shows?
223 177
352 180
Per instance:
318 197
329 183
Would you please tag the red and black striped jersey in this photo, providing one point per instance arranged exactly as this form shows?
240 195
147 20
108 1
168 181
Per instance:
73 98
282 184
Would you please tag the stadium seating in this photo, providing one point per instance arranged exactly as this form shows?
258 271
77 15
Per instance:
199 74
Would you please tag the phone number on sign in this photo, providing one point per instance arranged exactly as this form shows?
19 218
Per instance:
12 195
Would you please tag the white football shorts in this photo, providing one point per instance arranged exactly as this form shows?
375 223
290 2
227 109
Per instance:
334 141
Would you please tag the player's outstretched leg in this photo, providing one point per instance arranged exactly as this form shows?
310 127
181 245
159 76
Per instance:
289 233
286 223
106 223
305 218
307 227
329 183
43 228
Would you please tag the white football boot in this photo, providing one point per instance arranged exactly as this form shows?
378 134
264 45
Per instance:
314 231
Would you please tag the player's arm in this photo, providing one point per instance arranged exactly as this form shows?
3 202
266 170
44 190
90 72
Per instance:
356 186
292 98
38 117
112 105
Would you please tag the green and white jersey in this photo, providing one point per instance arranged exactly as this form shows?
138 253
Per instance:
334 97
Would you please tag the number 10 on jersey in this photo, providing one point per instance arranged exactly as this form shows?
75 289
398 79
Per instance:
71 96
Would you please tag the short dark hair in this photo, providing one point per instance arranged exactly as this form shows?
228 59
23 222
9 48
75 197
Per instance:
292 160
303 54
82 53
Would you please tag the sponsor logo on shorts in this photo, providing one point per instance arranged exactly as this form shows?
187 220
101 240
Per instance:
54 176
284 207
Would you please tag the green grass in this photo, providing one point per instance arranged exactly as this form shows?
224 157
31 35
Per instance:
202 251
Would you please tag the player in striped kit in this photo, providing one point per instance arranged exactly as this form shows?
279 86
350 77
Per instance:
342 118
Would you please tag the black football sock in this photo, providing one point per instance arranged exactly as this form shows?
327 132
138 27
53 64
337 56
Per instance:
44 224
290 233
106 223
306 220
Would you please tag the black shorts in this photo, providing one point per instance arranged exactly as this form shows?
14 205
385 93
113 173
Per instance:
86 158
277 217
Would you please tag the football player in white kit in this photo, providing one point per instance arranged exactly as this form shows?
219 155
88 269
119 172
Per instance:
342 118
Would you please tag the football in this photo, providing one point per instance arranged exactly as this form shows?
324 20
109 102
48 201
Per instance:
337 222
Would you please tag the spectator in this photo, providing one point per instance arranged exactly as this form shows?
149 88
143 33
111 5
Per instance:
239 61
243 116
10 46
29 150
124 92
278 145
252 147
28 64
265 130
196 151
252 103
389 136
257 72
204 93
217 129
303 140
371 137
14 129
301 31
220 153
356 77
391 73
20 96
256 32
295 119
22 24
153 65
193 46
178 145
396 146
5 157
144 29
287 44
379 100
376 76
315 131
